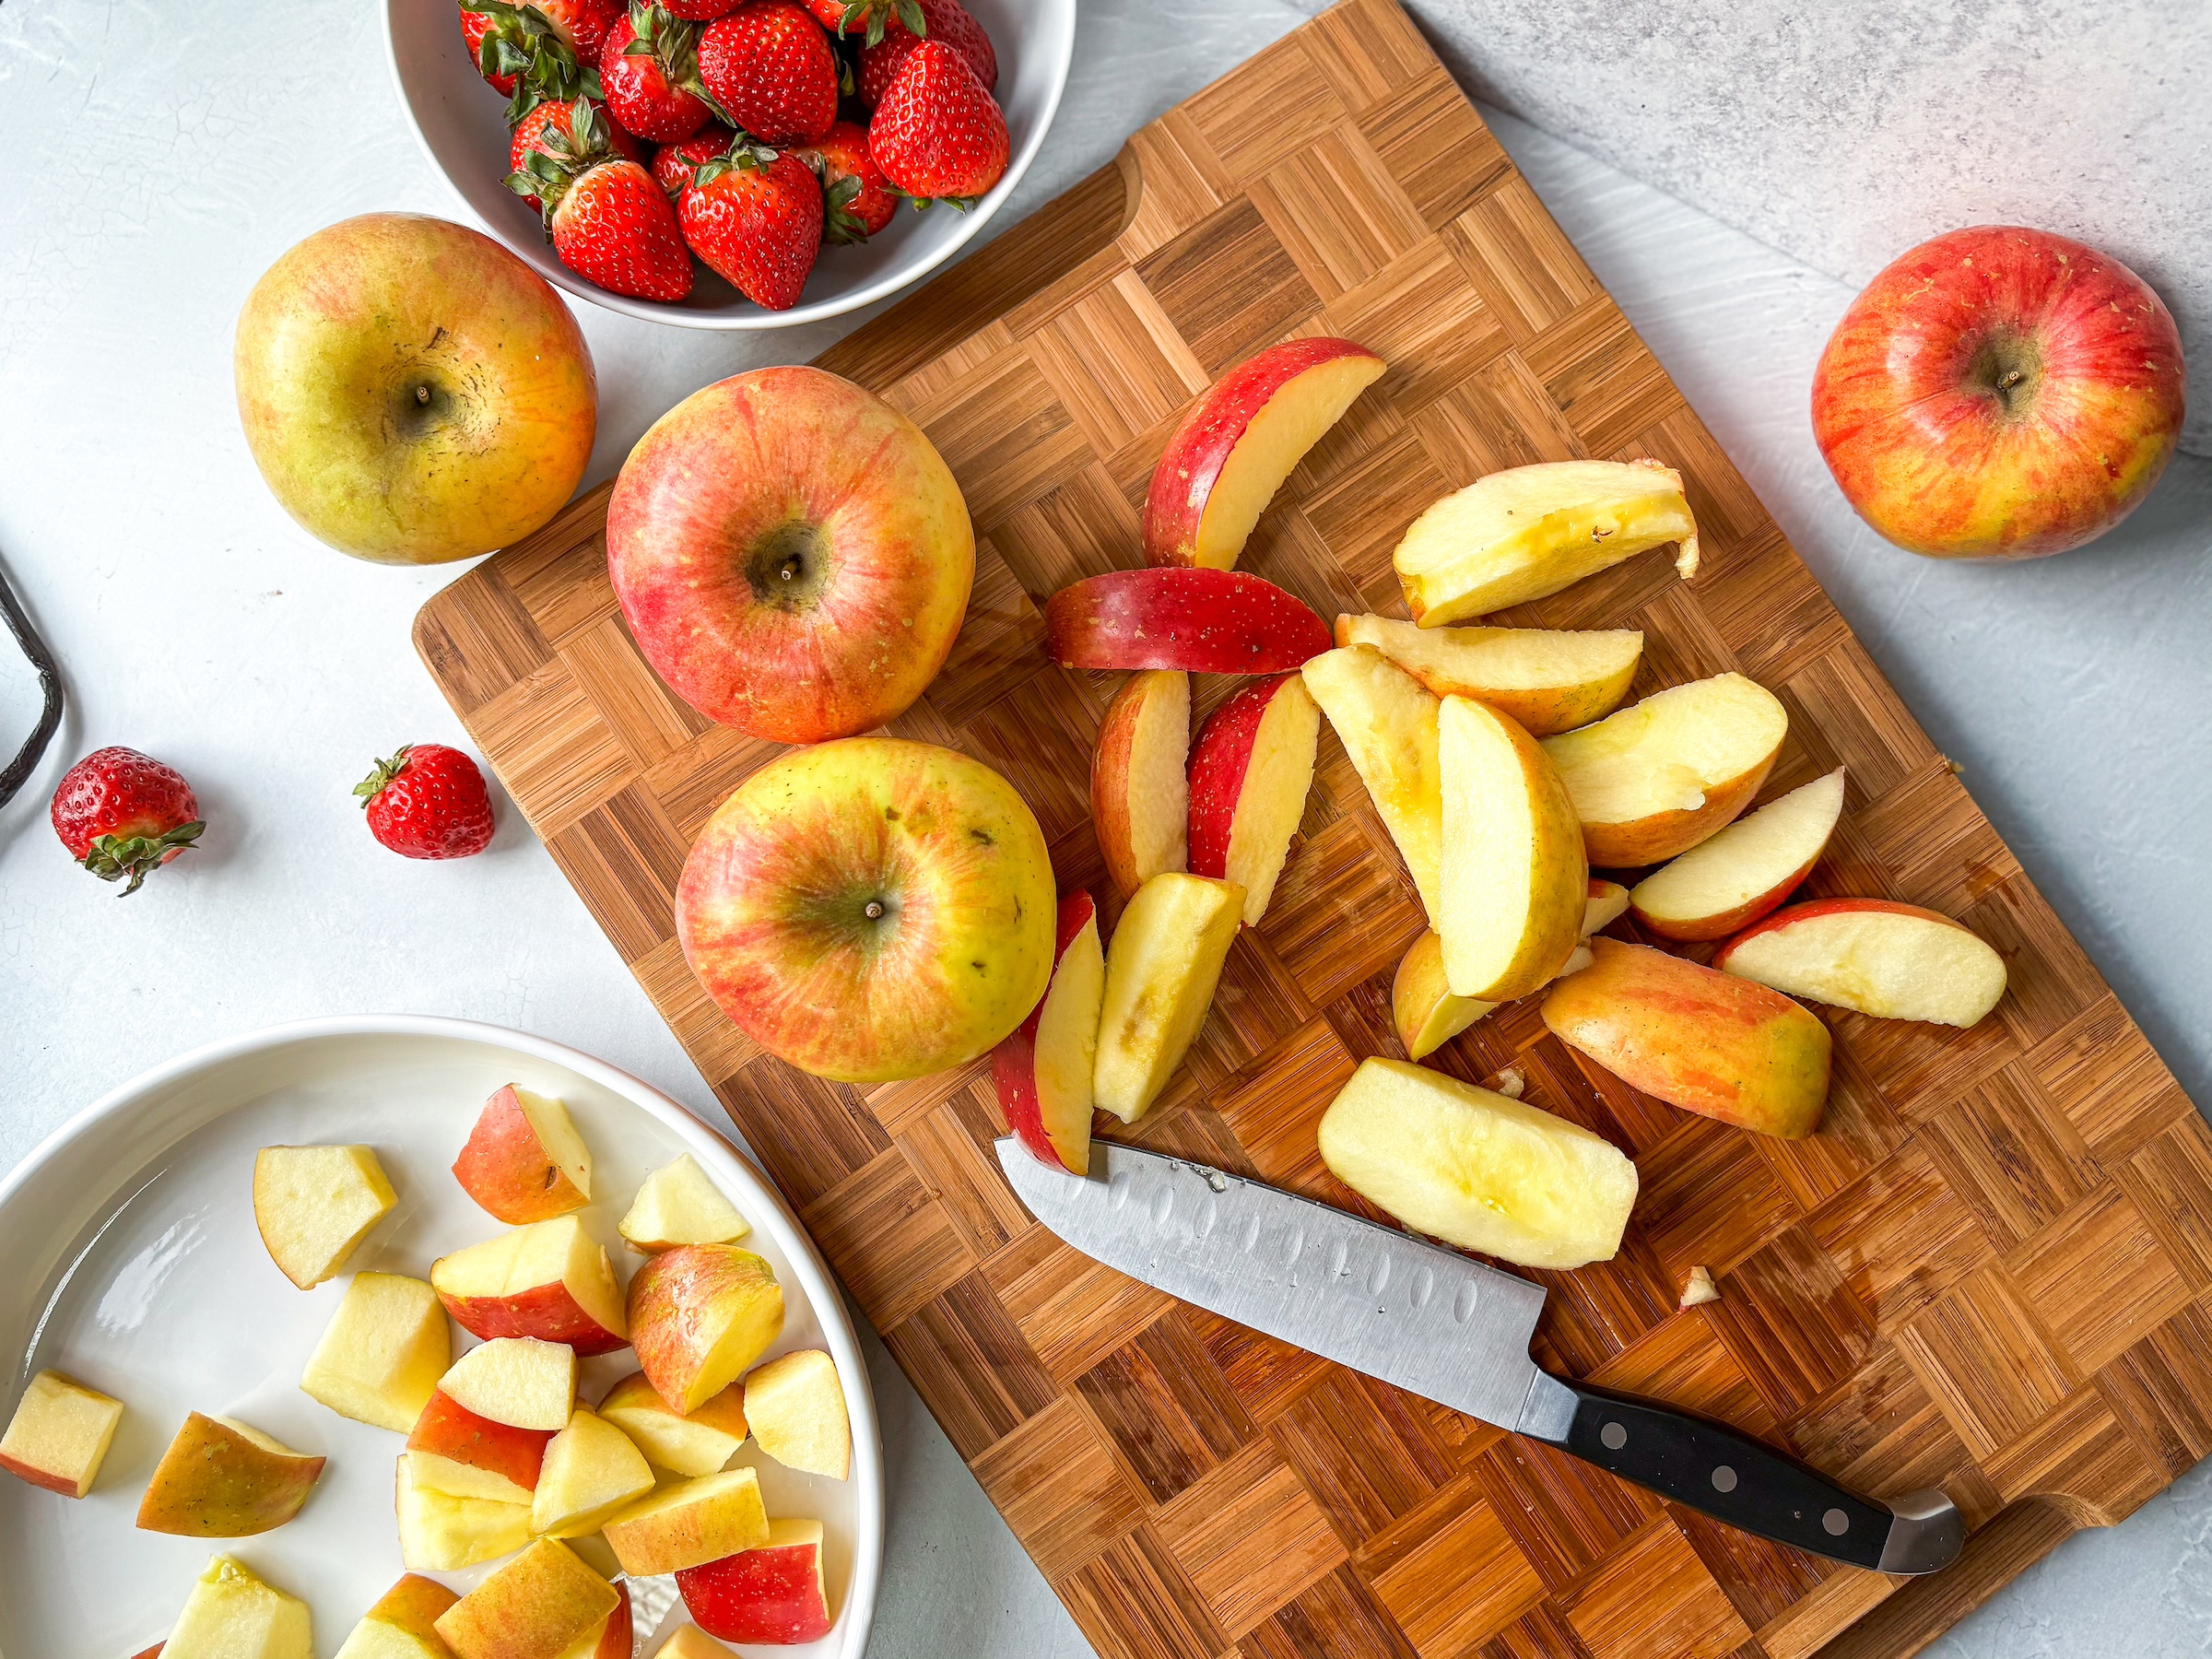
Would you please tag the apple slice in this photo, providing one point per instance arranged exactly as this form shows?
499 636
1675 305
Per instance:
773 1596
464 1456
701 1316
689 1642
677 1204
698 1445
1896 962
1042 1072
524 1161
1663 775
1528 532
1515 883
1202 622
517 1381
537 1606
1543 680
1423 1008
690 1524
1160 974
60 1434
221 1479
1696 1039
1386 721
1725 884
550 1280
1251 768
402 1623
313 1205
796 1406
591 1471
1240 442
441 1533
1476 1169
232 1614
382 1355
1139 800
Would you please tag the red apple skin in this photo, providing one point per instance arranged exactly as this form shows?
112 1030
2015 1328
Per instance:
504 1168
1937 458
1201 446
1014 1062
1203 621
1812 908
545 1312
772 1595
449 1429
1219 760
620 1639
791 469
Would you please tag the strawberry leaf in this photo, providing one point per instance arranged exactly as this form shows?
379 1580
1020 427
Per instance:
840 223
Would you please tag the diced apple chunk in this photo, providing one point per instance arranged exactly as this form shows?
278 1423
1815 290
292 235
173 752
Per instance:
60 1434
524 1161
439 1532
591 1470
1476 1169
401 1625
699 1444
313 1205
550 1280
1161 969
453 1451
1422 1007
232 1614
1895 961
540 1603
1251 768
690 1524
222 1478
796 1406
517 1381
701 1315
1543 680
1727 883
382 1355
678 1204
1386 721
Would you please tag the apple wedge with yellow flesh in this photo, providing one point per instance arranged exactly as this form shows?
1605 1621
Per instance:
1198 621
1895 961
537 1606
1724 885
1544 680
313 1205
381 1354
700 1317
1042 1072
1702 1040
441 1533
1658 777
690 1524
1160 974
1514 880
591 1471
1530 531
1386 721
1476 1170
524 1160
60 1434
796 1406
232 1614
402 1624
550 1281
678 1204
692 1643
517 1381
699 1444
1250 767
1139 798
1240 440
221 1479
773 1596
1423 1008
456 1452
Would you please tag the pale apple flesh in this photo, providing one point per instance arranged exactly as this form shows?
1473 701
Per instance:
1139 795
692 1445
1386 721
221 1478
60 1434
774 1594
1161 971
796 1406
382 1355
872 909
313 1205
677 1204
441 1533
524 1160
690 1524
550 1281
792 554
402 1623
700 1317
1426 1014
1240 442
517 1381
1725 884
1895 961
1659 776
1608 902
1042 1072
534 1607
1476 1168
1202 621
1542 679
464 1456
1530 531
232 1614
691 1642
591 1471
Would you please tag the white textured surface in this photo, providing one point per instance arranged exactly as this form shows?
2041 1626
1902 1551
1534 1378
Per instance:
144 187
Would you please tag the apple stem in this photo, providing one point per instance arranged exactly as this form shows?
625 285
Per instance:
2009 379
873 909
422 394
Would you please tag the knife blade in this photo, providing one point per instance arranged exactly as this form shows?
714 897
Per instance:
1441 1324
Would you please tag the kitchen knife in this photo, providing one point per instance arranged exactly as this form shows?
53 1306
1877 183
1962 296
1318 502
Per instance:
1439 1325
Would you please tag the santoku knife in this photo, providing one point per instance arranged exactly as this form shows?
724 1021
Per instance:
1437 1323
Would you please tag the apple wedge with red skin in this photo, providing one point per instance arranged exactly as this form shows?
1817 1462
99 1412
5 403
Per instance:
1140 796
1042 1071
465 1455
1242 440
1722 885
1873 956
772 1595
549 1280
524 1160
1251 768
1201 621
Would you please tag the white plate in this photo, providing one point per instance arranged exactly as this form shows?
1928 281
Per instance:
132 1263
461 124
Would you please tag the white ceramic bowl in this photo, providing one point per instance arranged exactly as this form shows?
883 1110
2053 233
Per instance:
132 1264
460 121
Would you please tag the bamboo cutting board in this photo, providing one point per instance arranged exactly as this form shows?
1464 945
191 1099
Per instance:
1993 1268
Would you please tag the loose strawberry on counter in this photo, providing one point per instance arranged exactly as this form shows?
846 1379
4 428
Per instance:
531 135
857 200
649 70
770 66
429 801
938 132
607 220
121 813
755 215
904 27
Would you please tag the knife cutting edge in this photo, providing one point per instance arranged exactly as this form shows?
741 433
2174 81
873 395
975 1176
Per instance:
1453 1330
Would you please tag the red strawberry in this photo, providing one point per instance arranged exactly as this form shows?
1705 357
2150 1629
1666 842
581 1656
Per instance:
755 215
532 137
649 70
937 134
542 50
770 66
607 220
428 801
856 198
121 813
674 164
946 20
700 11
865 20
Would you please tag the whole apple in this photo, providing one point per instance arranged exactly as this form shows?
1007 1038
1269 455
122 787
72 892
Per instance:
412 391
871 908
792 553
1999 392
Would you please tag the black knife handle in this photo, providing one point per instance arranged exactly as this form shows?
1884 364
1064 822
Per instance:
1735 1479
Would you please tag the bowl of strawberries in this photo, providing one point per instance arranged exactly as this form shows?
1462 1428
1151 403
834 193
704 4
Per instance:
731 163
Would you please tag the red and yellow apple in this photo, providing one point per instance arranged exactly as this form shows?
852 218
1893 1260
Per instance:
312 1205
549 1280
60 1434
772 1595
457 1452
1139 790
678 1204
1161 972
1543 680
1386 721
1242 440
382 1355
699 1442
871 908
412 391
690 1525
700 1316
792 553
232 1614
524 1160
1203 621
1896 962
403 1623
1999 392
536 1606
1042 1072
221 1479
796 1406
1250 767
1729 882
